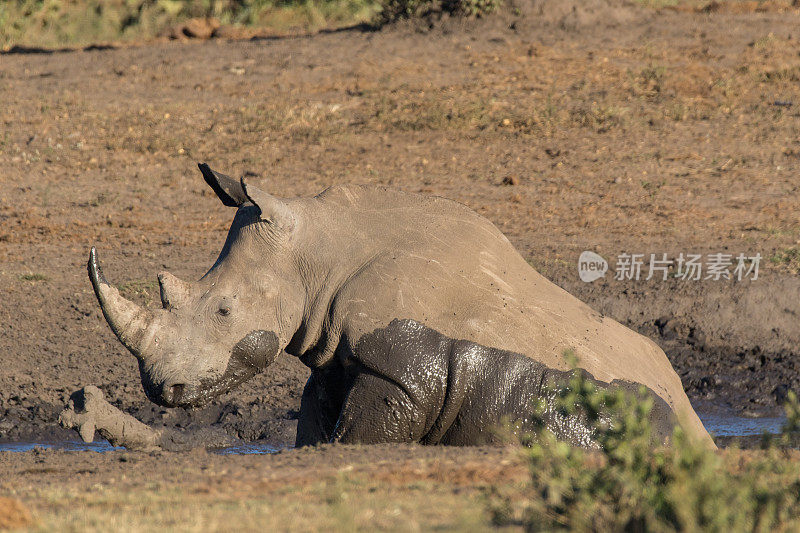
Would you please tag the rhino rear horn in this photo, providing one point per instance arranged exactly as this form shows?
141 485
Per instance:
174 291
273 209
229 191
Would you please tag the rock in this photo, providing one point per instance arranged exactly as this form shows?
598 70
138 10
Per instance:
196 28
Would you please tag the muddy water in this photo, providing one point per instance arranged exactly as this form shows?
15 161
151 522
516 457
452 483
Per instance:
71 446
719 424
103 446
247 449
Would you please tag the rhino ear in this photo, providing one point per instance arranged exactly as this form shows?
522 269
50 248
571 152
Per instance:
273 210
228 190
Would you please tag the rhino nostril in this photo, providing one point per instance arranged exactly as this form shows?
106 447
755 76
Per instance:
174 393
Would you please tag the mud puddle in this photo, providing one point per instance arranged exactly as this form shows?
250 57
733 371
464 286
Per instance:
69 446
250 448
720 423
729 425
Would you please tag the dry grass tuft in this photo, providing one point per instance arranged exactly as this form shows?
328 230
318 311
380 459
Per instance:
13 514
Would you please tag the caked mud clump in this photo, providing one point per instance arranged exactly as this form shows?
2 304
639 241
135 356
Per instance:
88 412
264 410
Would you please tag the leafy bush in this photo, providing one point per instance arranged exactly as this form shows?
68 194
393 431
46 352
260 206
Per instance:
471 8
630 485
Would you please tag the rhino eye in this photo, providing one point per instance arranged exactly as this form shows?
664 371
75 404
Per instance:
224 311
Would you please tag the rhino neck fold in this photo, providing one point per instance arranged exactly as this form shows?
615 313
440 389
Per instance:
325 266
316 339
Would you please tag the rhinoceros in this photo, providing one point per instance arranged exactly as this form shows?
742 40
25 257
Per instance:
418 320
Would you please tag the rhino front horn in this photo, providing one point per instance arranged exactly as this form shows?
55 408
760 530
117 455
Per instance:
128 321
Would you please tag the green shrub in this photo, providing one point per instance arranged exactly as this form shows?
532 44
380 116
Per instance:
471 8
399 9
50 23
630 485
790 257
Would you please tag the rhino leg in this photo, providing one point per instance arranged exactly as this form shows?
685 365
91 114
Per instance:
377 410
321 404
312 427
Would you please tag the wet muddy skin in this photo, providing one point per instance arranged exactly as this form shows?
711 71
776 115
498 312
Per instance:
437 390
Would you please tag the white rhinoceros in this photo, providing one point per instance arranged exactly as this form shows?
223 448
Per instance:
419 320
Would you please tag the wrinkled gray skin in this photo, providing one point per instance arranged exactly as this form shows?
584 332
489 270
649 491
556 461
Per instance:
418 320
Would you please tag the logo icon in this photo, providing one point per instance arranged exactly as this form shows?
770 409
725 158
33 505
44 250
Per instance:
591 266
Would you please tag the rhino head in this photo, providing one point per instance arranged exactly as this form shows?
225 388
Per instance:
215 333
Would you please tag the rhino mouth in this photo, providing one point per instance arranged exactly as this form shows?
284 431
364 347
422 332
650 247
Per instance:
190 397
194 396
209 390
250 356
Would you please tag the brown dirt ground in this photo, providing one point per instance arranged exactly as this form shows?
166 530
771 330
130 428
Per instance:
655 132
